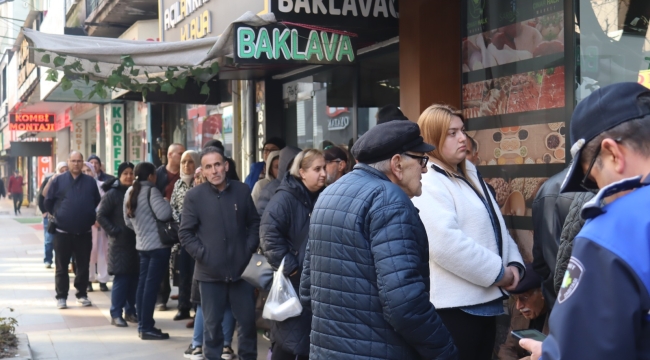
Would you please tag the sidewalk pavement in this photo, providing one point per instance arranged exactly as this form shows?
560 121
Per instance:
75 333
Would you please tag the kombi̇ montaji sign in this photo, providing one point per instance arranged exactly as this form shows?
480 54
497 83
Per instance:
276 43
31 122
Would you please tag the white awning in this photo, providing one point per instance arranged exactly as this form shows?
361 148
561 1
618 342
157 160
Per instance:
100 56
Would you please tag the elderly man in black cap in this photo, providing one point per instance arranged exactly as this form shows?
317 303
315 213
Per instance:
366 268
97 163
528 311
603 306
336 163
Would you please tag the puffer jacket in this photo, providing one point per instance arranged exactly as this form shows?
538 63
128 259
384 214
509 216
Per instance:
122 256
286 158
144 224
284 230
366 275
572 226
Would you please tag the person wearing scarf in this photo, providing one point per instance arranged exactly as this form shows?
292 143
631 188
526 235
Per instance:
98 254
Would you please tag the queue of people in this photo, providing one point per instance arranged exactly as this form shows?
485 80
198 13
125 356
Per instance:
404 256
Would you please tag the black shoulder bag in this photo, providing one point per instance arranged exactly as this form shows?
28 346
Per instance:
167 230
51 225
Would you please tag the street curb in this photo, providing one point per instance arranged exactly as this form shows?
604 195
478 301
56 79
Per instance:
24 350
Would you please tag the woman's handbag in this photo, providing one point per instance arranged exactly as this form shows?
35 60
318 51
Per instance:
167 230
259 272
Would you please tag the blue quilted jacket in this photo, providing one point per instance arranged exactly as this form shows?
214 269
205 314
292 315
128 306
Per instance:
366 275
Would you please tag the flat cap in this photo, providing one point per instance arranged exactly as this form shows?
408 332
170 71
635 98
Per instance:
388 139
529 282
334 152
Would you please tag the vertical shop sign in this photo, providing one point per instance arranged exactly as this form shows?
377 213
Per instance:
114 126
44 167
78 141
261 118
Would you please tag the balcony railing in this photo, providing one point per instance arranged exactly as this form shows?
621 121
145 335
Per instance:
91 5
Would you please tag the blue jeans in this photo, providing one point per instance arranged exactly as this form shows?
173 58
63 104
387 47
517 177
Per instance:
214 299
228 327
49 245
152 270
123 294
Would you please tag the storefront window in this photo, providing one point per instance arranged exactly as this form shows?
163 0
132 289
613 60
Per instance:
209 122
612 42
136 131
378 87
514 99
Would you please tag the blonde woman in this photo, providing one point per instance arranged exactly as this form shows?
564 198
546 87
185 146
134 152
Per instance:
284 230
472 258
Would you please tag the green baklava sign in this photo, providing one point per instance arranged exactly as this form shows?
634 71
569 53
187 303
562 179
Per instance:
282 44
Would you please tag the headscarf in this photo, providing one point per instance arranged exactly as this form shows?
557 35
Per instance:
92 168
60 165
187 178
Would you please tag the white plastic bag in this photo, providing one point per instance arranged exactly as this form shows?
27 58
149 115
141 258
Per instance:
282 302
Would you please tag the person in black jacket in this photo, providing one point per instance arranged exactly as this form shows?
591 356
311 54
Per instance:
550 209
219 229
284 231
72 199
48 238
123 260
232 167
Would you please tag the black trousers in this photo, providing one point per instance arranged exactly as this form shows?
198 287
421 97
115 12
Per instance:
214 298
280 354
18 201
473 335
165 287
66 245
186 273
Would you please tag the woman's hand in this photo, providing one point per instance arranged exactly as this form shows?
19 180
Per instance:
507 279
515 281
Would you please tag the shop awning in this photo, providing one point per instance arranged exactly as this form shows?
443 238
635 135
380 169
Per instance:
100 56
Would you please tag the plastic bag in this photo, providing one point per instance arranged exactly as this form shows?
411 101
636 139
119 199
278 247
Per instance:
282 302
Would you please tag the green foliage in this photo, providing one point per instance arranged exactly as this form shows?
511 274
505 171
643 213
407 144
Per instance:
8 339
126 76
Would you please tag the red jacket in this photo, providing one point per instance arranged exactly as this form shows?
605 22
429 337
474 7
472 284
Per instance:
15 184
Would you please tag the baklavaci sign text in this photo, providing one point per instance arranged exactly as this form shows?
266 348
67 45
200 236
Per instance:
282 44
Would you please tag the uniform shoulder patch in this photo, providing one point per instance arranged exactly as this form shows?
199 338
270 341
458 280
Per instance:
571 280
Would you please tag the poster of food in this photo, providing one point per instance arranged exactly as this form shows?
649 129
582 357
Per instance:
528 39
531 91
515 196
518 145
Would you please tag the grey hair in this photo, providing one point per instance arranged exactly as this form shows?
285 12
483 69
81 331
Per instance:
382 166
634 133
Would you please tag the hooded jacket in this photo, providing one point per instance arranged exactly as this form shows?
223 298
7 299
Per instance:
122 256
261 184
220 230
286 157
284 231
366 275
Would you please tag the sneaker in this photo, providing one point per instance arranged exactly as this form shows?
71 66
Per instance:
161 307
48 265
90 287
83 301
197 354
267 335
188 353
61 304
227 353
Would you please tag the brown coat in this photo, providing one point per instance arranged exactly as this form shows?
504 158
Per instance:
510 350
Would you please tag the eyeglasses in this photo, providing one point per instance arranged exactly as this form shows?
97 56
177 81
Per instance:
422 159
331 161
268 150
586 183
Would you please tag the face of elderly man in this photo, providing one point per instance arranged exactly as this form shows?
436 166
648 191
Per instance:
531 303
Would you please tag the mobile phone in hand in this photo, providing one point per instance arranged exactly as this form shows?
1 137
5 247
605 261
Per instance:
528 334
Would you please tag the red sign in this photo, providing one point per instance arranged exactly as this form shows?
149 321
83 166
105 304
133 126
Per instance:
44 167
31 122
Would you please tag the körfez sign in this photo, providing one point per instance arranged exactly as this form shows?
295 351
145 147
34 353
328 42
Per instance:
279 43
31 122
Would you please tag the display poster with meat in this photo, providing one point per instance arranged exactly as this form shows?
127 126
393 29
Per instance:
515 196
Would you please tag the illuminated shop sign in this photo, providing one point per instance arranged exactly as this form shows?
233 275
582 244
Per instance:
31 122
274 43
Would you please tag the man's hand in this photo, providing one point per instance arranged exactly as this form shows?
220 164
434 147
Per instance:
507 279
534 346
515 281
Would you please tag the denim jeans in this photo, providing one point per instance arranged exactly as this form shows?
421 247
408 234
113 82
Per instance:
228 327
152 269
66 245
214 299
48 243
123 294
